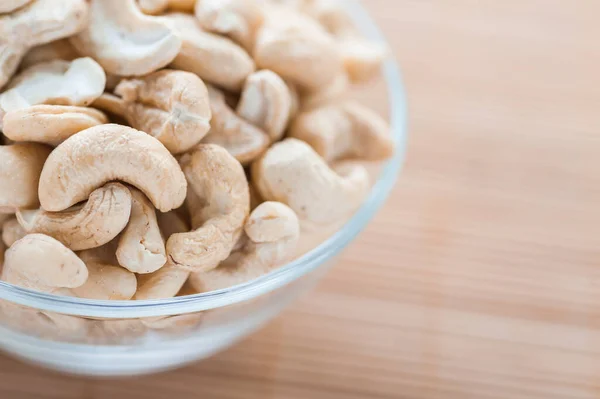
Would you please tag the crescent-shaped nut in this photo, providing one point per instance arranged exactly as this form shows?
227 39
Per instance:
298 49
102 218
272 232
237 19
12 232
50 124
106 153
346 130
55 82
40 262
61 49
124 40
266 102
215 59
20 168
169 105
106 282
220 183
292 172
141 247
242 139
39 22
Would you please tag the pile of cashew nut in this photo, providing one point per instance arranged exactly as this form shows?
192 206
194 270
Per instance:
152 143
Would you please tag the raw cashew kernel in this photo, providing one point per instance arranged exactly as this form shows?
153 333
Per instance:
55 82
215 59
291 172
61 49
106 153
346 130
141 247
39 22
106 281
20 168
266 102
40 262
220 183
298 49
11 5
124 40
102 218
12 232
237 19
272 232
242 139
50 124
169 105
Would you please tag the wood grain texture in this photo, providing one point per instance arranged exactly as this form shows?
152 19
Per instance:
481 276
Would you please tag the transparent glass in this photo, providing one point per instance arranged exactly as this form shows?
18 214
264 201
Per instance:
109 338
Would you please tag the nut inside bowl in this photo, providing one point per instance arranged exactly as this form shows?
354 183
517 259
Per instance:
98 337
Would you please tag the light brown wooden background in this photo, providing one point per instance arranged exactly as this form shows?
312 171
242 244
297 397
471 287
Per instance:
481 277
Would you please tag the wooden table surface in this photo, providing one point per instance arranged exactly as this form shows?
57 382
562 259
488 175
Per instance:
481 276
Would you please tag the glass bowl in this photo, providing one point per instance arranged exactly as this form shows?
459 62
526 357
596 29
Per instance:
111 338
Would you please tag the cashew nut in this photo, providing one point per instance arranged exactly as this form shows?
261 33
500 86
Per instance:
50 124
39 22
106 153
215 59
266 102
111 104
20 168
169 105
106 281
291 172
124 40
55 82
242 139
346 130
11 5
155 7
102 218
57 50
168 280
237 19
141 247
298 49
334 92
42 263
12 232
220 183
272 232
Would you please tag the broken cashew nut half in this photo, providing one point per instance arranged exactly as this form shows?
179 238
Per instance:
106 153
169 105
272 232
219 181
292 172
102 218
125 41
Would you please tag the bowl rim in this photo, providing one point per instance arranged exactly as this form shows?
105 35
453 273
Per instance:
278 277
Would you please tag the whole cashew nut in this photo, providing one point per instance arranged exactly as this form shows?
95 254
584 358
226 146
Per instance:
298 49
215 59
50 124
12 232
20 168
124 40
168 280
106 153
242 139
237 19
55 82
61 49
106 281
42 263
345 130
272 232
141 247
291 172
169 105
39 22
102 218
220 183
266 102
